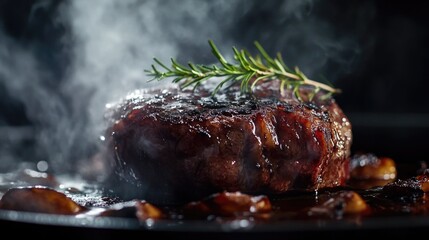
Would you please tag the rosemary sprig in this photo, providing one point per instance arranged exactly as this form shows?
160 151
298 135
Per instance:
247 69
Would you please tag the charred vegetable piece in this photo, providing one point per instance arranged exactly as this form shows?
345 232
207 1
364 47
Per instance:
139 209
340 204
229 204
40 200
369 166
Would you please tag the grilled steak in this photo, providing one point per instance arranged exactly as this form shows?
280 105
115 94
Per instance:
171 146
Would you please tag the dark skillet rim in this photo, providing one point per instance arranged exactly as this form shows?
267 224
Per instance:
198 226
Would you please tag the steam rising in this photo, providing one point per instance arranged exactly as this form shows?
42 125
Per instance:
115 41
110 43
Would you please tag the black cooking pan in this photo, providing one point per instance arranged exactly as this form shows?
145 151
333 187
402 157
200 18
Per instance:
22 224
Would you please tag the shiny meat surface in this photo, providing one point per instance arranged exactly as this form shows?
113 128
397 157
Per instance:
171 146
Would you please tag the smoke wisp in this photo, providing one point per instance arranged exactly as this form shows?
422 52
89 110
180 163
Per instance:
107 45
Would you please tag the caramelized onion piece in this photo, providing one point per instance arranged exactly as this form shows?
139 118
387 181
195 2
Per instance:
139 209
146 210
353 203
229 204
40 200
340 204
369 166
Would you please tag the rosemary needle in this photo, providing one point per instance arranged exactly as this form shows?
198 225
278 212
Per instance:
248 70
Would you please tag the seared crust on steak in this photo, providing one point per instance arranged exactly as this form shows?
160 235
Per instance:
171 145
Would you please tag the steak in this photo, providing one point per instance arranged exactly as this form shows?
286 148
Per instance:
171 145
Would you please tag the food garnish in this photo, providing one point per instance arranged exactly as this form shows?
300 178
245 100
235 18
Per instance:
247 69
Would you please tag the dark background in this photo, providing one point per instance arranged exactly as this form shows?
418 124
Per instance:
385 87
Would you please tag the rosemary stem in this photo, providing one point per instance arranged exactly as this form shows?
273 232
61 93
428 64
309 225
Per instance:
322 86
246 68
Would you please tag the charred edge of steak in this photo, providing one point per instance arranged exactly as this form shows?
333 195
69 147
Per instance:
175 146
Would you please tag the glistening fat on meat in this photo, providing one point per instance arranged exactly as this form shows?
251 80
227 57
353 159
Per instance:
172 145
